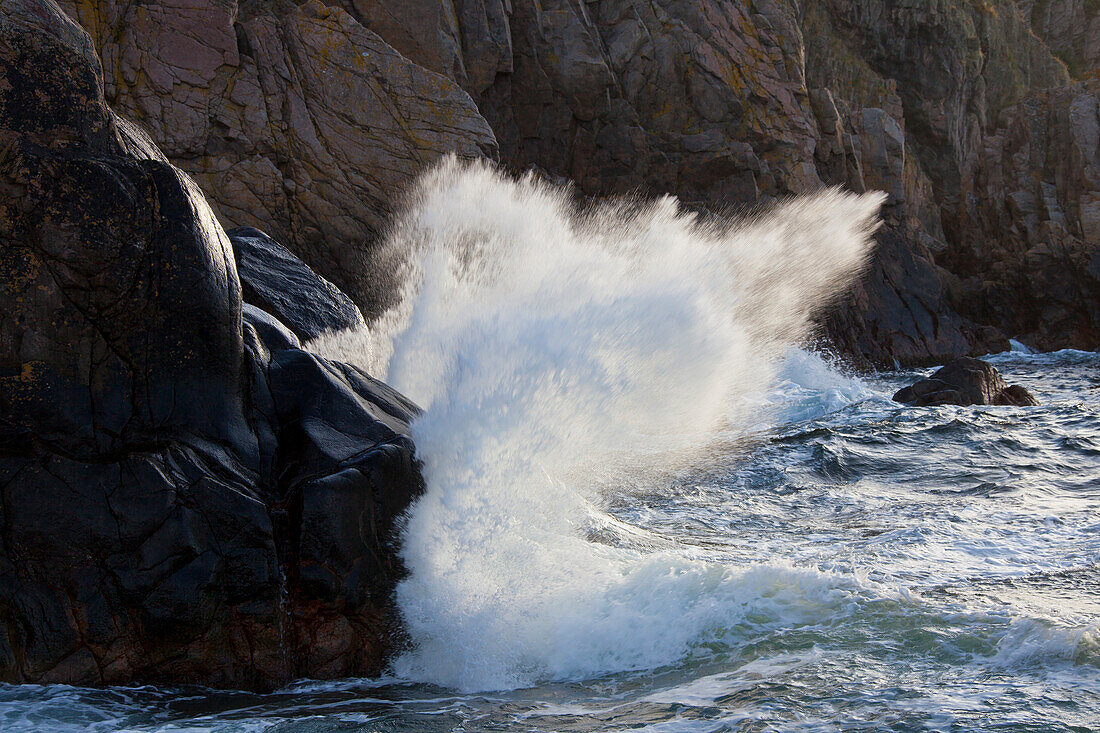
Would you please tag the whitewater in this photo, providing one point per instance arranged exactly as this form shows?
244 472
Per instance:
648 506
557 351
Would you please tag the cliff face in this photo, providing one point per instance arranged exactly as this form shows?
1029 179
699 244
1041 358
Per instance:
186 496
307 120
295 118
1071 28
1027 238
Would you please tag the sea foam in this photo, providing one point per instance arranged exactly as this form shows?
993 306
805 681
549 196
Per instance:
554 349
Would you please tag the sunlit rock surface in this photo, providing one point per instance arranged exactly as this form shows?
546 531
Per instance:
309 120
294 118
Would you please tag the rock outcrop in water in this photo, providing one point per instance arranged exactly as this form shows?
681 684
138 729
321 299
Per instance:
965 382
185 494
306 119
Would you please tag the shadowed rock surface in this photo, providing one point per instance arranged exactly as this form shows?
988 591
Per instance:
965 382
185 495
1070 27
276 281
1028 255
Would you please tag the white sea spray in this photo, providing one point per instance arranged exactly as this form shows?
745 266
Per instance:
551 347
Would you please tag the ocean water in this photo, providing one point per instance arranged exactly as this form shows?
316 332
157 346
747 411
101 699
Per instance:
648 509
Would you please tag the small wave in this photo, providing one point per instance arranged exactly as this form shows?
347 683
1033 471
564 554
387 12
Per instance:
1033 642
806 387
1027 357
635 612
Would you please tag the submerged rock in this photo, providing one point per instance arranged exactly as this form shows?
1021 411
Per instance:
185 495
273 279
965 382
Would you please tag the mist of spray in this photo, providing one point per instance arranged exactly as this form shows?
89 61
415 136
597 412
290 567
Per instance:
554 349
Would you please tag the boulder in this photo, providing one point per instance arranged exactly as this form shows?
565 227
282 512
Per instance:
965 382
186 496
276 281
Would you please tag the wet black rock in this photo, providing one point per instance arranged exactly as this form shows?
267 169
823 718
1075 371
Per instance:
273 279
965 382
185 495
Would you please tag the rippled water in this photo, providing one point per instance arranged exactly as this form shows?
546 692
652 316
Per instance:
866 567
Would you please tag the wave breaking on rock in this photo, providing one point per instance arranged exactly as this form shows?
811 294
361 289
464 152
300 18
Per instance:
555 350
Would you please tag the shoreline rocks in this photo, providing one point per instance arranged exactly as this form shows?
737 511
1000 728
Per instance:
965 382
185 495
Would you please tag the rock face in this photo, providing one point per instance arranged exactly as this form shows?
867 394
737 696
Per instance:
727 105
185 495
1070 27
294 118
965 382
1028 251
735 104
276 281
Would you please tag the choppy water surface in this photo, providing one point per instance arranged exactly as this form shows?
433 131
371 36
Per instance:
644 510
854 565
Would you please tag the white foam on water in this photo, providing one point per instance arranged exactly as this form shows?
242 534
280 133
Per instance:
706 690
1032 641
807 387
1025 356
1019 347
554 348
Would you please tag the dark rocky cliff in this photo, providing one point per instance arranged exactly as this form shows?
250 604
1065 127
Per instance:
185 495
978 117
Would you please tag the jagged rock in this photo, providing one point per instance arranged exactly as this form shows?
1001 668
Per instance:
276 281
294 118
1070 27
423 31
167 460
1001 164
898 311
706 100
965 382
726 105
466 40
1029 254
